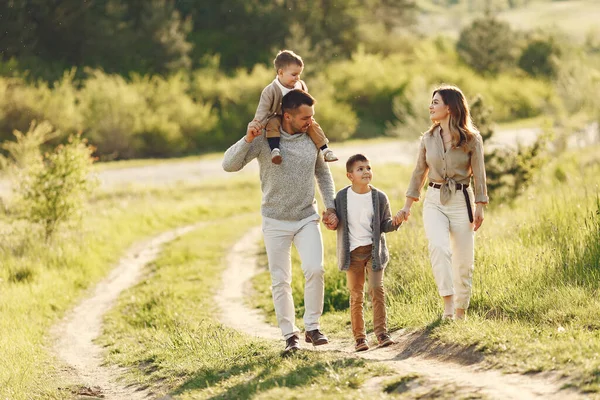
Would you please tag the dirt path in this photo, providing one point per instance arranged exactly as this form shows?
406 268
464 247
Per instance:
381 151
75 335
435 373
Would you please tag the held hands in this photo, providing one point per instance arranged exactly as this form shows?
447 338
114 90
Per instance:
254 130
478 217
401 216
330 219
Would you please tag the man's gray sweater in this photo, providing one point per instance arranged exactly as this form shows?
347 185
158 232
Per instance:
289 188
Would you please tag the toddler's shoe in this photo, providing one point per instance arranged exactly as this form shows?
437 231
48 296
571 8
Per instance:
329 156
361 345
276 156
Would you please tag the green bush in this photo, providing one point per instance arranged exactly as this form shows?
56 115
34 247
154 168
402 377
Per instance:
54 190
337 119
235 99
149 116
487 45
21 103
514 98
172 122
578 84
368 83
25 151
540 57
508 172
18 105
113 111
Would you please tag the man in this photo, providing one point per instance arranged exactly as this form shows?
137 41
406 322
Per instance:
289 211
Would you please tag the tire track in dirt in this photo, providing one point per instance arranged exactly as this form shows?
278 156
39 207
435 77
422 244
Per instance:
437 373
75 334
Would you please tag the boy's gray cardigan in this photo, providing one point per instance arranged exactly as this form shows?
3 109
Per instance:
270 102
382 222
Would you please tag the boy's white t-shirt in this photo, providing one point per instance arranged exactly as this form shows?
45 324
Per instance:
285 90
360 219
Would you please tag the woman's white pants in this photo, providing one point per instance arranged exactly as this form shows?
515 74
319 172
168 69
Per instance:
451 244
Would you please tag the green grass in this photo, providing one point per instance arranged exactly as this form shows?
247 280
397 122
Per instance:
165 330
535 301
39 283
534 305
145 162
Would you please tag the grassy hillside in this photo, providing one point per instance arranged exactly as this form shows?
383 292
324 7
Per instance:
574 17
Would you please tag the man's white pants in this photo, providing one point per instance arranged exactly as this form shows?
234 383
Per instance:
306 236
451 244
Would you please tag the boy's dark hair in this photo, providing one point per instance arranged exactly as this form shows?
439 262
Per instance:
285 58
294 99
353 160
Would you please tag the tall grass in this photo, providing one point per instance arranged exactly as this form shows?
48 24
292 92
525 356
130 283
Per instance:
165 329
535 300
38 284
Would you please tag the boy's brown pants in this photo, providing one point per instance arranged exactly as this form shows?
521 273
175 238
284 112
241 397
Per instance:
361 261
314 131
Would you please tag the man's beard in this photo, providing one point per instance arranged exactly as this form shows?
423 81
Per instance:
301 129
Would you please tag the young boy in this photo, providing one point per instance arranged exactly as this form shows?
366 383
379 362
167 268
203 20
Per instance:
289 67
364 216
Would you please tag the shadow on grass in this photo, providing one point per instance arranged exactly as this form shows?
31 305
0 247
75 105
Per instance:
265 374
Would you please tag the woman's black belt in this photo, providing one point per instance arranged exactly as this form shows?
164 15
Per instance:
463 188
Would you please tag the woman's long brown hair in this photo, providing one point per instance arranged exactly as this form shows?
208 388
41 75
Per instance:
462 131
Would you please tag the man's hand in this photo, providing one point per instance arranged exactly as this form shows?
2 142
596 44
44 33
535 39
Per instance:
254 130
330 219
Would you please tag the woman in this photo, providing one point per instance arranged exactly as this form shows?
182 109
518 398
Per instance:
451 151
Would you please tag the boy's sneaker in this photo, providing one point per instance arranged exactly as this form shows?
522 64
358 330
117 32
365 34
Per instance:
329 156
276 156
385 340
361 345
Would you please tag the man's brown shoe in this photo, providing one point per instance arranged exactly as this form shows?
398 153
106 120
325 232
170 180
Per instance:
316 337
292 344
385 340
361 345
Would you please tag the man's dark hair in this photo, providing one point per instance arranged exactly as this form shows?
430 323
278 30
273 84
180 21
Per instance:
353 160
294 99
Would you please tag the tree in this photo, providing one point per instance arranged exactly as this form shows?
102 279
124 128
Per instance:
390 13
50 36
245 33
540 57
487 45
482 117
508 171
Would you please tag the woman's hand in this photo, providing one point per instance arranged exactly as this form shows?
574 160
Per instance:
401 216
478 217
